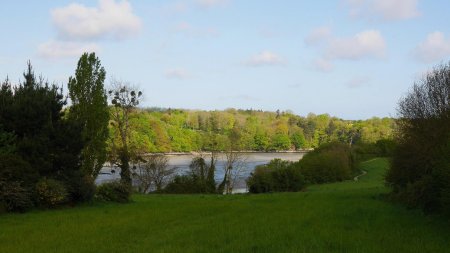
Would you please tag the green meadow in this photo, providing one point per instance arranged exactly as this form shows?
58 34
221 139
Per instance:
340 217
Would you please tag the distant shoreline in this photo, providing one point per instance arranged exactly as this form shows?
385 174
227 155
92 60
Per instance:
221 152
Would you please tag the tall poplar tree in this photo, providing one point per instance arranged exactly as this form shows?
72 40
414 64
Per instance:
90 108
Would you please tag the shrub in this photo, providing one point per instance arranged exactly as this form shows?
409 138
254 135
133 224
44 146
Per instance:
277 176
386 147
366 151
328 163
186 184
14 197
81 189
51 193
114 191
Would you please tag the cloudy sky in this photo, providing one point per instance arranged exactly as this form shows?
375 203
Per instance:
350 58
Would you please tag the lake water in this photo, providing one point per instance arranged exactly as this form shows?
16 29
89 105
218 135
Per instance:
181 162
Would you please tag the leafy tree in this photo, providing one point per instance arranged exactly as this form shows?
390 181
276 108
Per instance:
298 140
90 109
281 141
262 141
420 171
124 100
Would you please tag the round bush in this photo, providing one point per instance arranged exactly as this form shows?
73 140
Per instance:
114 191
277 176
81 188
14 197
51 193
329 163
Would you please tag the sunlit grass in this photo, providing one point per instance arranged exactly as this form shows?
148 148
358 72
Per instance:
340 217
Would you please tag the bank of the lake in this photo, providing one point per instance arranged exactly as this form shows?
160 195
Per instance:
340 217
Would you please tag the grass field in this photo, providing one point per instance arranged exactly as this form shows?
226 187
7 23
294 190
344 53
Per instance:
340 217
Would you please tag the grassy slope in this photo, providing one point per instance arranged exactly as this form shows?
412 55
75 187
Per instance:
340 217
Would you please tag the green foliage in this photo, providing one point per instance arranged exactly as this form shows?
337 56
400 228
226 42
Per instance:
328 163
14 197
81 188
184 184
366 151
420 171
41 105
173 130
89 108
281 142
14 168
386 147
51 193
114 191
38 140
298 140
277 176
7 142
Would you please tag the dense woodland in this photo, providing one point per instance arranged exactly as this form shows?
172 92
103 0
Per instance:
175 130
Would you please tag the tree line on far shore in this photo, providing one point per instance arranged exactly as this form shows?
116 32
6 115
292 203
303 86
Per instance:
179 130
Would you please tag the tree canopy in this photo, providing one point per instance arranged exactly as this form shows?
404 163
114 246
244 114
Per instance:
90 108
177 130
420 171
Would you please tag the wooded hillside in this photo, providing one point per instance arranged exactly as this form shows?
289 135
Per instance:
176 130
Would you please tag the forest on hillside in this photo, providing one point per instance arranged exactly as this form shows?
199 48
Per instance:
177 130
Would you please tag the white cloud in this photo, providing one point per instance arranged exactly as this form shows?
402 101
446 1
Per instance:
177 73
318 35
384 9
211 3
435 47
110 19
265 58
323 65
63 49
365 44
358 82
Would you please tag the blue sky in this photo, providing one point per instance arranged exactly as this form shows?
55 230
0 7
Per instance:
353 59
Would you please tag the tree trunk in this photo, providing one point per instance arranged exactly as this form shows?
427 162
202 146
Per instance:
125 174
